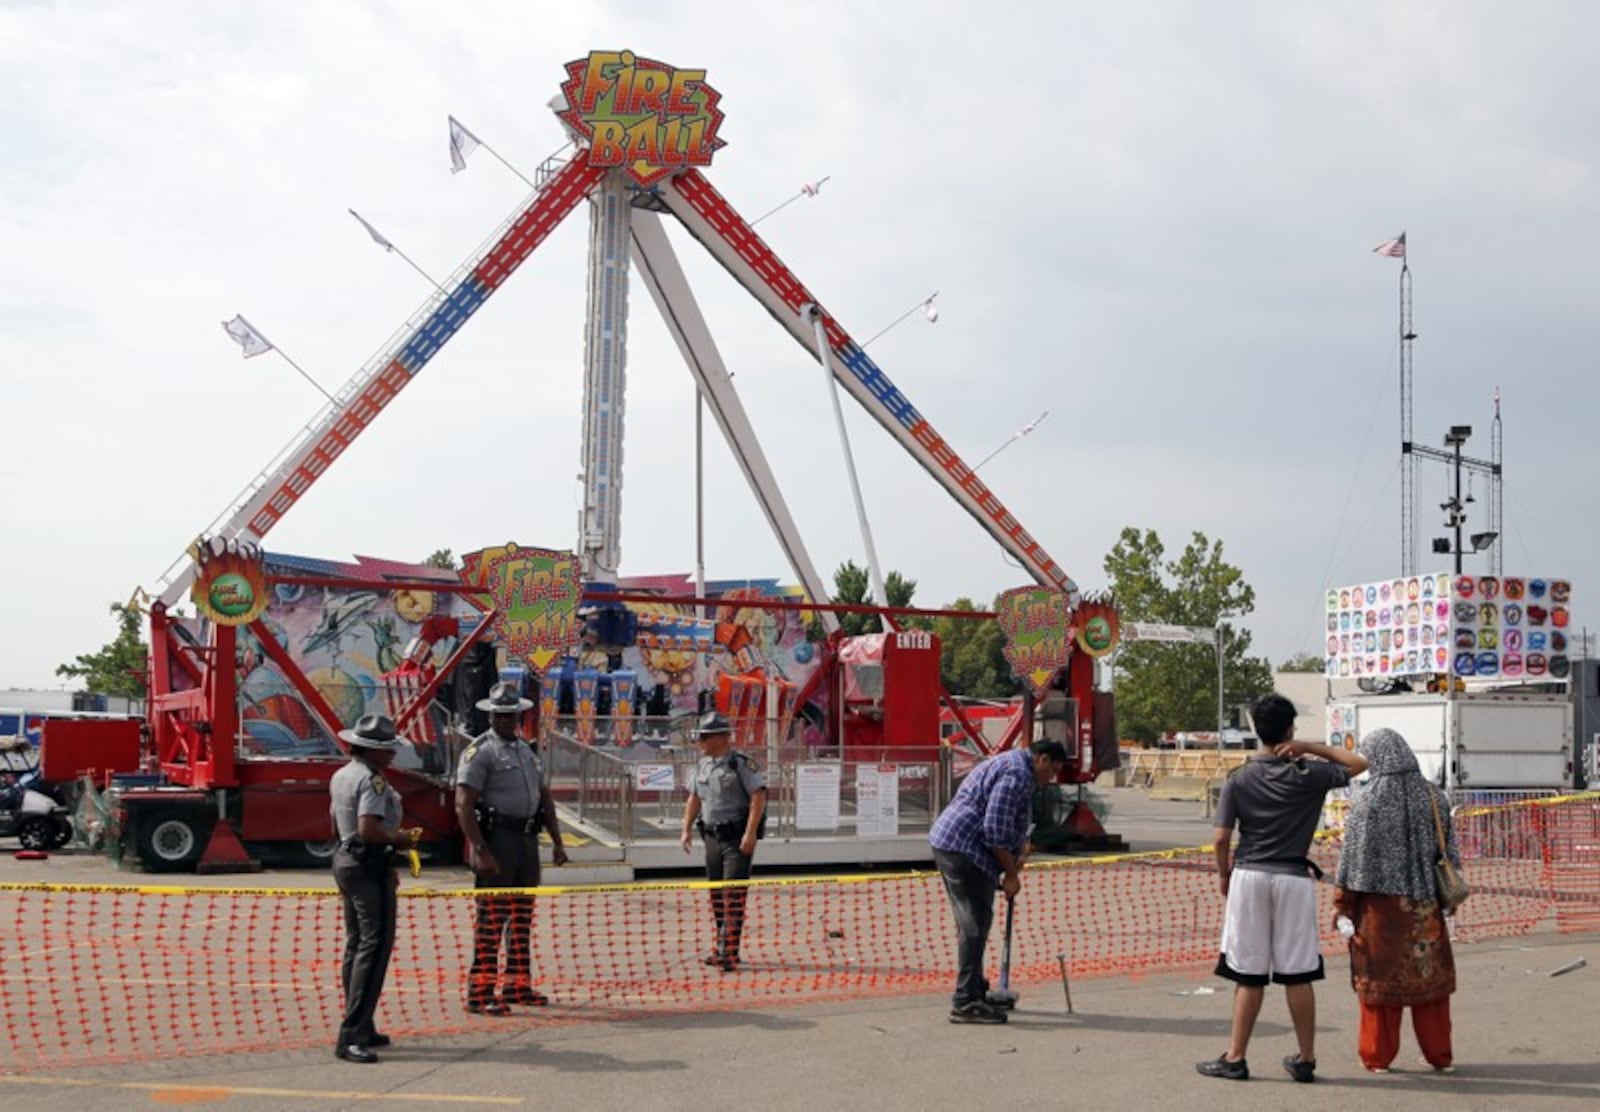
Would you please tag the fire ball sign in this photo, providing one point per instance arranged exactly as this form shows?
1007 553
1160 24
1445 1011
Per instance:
648 118
535 591
1038 634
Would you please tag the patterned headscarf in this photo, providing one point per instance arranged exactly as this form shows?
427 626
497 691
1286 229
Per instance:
1389 837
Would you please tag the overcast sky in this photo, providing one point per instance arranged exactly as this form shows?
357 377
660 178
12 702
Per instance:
1155 220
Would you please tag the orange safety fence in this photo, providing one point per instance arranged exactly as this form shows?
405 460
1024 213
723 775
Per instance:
98 974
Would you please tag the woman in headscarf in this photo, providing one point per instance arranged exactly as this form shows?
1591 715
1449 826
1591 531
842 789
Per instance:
1400 954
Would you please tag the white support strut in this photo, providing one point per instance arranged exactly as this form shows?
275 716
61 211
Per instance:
711 220
669 287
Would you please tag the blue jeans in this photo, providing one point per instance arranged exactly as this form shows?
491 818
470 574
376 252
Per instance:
971 892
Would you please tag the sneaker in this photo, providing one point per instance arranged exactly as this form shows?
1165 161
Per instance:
1221 1067
977 1011
1434 1068
1301 1070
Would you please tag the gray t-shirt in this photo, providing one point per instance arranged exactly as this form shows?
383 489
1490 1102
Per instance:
506 775
1276 805
725 785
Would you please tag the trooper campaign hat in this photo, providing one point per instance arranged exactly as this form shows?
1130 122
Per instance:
711 725
373 731
504 699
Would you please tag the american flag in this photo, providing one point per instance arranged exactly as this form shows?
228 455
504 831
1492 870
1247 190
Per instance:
811 189
1394 248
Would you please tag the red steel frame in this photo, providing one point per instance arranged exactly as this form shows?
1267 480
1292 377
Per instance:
194 729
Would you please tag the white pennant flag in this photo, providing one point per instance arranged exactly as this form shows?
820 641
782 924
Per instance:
245 335
811 189
930 310
377 237
462 143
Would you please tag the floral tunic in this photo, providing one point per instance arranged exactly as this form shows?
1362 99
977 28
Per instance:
1400 954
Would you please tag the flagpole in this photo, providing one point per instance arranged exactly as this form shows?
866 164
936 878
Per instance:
804 192
902 317
387 244
504 163
304 375
419 270
1012 439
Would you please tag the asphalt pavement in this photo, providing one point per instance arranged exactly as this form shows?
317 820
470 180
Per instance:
1524 1039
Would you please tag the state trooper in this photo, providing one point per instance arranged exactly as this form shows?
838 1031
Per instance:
366 820
502 802
728 806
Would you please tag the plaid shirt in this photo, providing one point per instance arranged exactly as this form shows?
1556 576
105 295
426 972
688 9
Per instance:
991 808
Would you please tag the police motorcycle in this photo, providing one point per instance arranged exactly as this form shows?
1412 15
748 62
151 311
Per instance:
34 818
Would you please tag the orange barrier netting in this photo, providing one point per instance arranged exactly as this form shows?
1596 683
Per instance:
98 974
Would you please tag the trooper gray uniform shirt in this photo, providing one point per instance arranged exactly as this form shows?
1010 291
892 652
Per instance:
359 789
725 785
506 774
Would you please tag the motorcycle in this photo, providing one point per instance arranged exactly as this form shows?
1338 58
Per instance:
34 818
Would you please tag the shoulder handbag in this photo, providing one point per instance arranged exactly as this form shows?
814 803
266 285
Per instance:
1453 887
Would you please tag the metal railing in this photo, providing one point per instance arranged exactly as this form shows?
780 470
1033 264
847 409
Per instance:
638 792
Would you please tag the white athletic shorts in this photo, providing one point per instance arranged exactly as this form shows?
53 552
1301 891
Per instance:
1270 929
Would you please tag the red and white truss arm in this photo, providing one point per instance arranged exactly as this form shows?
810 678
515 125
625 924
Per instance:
733 243
669 287
270 495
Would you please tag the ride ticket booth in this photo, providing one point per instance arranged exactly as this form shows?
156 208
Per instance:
889 691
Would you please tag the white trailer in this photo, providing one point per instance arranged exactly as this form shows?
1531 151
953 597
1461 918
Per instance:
1472 740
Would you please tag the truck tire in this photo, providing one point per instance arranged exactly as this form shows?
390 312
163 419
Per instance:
318 852
35 832
171 840
62 834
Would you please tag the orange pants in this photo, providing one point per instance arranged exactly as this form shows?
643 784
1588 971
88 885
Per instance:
1380 1033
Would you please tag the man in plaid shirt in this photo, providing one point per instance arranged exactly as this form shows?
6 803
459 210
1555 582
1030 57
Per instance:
977 840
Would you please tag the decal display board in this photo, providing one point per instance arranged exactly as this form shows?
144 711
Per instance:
1435 624
1512 627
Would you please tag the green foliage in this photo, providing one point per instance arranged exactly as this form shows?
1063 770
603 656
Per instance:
1302 662
852 586
1174 687
441 558
120 666
972 662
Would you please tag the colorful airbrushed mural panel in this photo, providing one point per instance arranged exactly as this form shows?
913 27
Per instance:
344 641
683 653
1469 626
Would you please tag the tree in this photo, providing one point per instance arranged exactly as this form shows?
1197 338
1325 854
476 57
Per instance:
1303 662
851 587
441 558
119 667
1174 687
972 661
